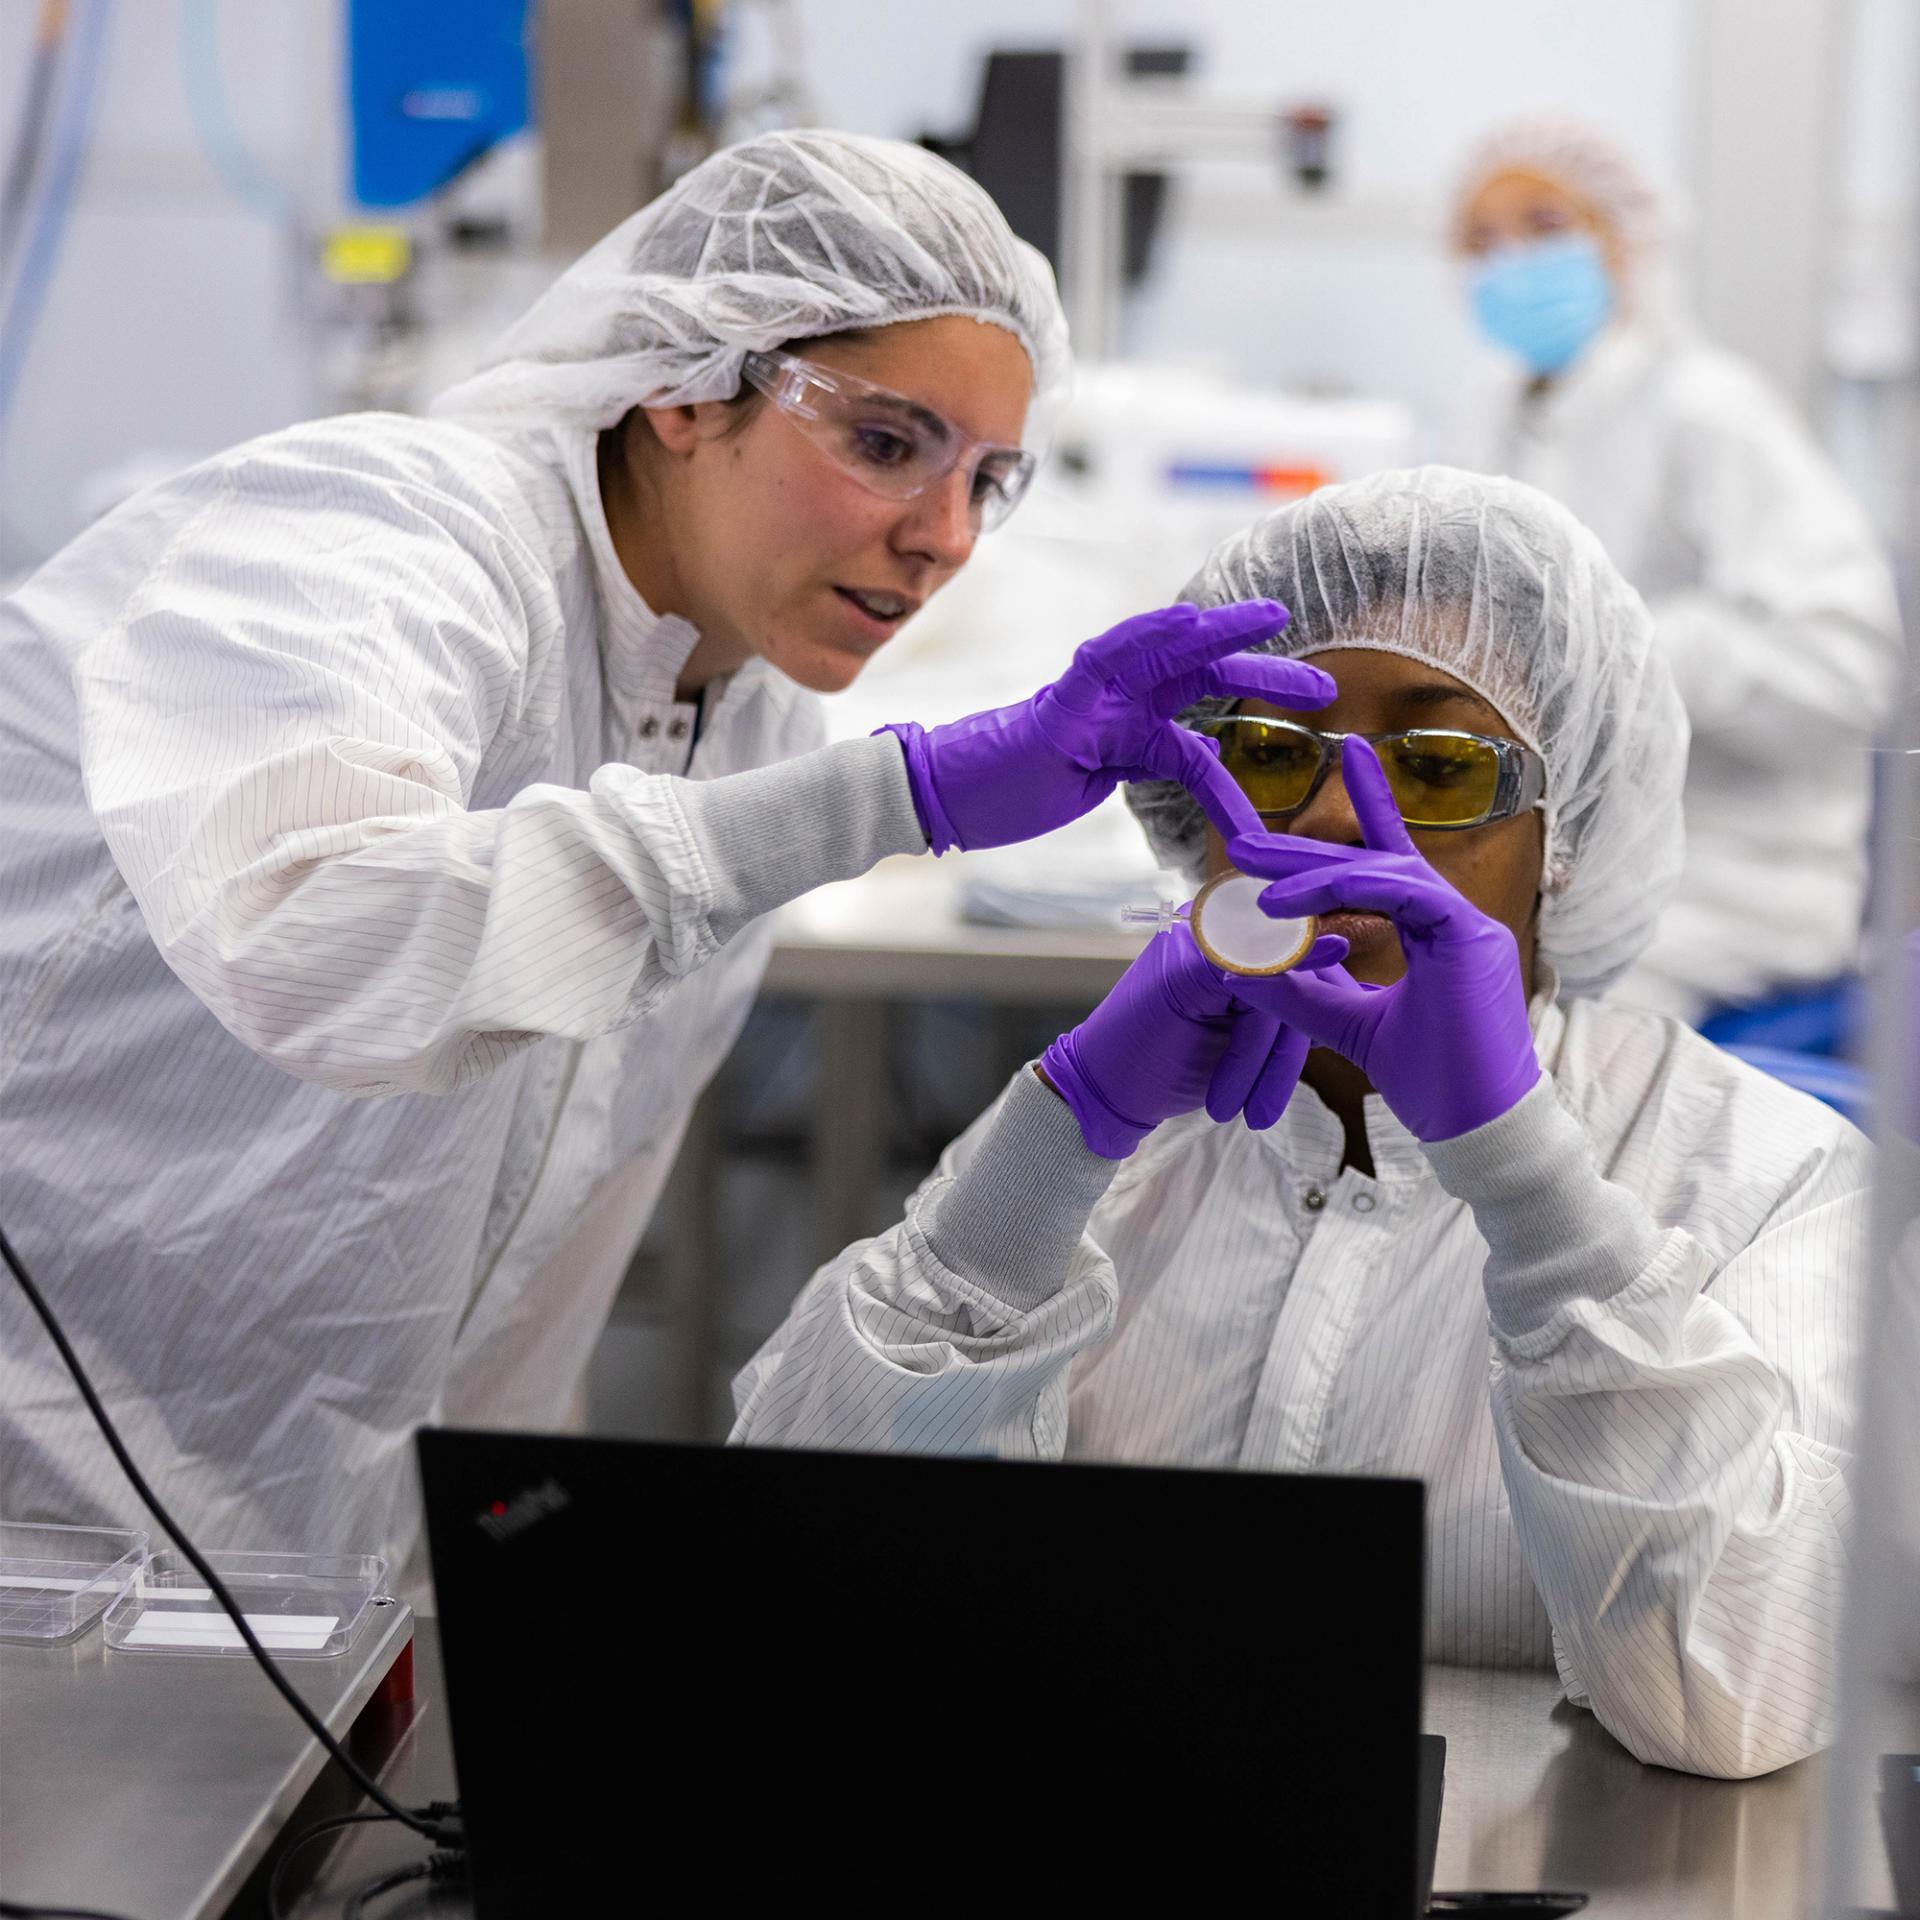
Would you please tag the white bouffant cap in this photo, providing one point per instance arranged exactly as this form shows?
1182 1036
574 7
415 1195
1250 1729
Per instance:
1502 588
787 236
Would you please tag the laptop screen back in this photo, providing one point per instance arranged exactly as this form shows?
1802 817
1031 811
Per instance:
743 1673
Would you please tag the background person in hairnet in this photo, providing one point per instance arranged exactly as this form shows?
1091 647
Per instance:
1770 596
1588 1277
453 762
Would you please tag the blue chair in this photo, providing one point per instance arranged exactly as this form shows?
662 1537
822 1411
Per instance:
1824 1020
1839 1083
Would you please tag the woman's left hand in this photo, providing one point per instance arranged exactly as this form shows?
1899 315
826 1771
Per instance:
1447 1046
1172 1036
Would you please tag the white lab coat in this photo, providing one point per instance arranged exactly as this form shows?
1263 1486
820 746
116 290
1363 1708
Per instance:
362 727
1776 608
1647 1489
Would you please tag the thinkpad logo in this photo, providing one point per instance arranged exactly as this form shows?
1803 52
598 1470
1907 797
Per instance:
505 1518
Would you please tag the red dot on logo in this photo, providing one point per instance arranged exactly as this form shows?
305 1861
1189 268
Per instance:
499 1507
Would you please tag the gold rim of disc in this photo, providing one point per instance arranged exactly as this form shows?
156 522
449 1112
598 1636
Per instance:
1195 917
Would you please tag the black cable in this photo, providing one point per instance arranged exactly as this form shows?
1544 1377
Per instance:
442 1866
358 1898
437 1810
436 1831
319 1830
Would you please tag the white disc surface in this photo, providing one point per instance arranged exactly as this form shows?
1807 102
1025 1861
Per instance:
1234 933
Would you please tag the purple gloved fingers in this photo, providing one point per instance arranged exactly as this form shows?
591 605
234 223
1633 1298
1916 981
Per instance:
1188 985
1249 1043
1417 905
1326 953
1262 676
1278 1072
1139 654
1331 1009
1448 1045
1388 875
1193 759
1261 1065
1170 1038
1243 676
1148 1050
1278 1077
1445 1062
1016 772
1252 1074
1287 856
1372 798
1374 809
1314 876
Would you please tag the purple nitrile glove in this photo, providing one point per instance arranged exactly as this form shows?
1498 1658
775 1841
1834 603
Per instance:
1017 772
1447 1046
1170 1037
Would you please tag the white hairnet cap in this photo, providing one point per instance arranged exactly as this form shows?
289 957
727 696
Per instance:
1587 163
782 237
1502 588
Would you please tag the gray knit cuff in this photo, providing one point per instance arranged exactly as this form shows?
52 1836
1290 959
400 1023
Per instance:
1555 1230
1011 1218
772 834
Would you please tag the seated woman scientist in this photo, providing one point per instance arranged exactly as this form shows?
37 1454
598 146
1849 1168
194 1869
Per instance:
1770 596
459 757
1588 1277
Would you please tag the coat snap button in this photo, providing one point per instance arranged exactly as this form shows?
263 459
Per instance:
1363 1203
1313 1200
649 727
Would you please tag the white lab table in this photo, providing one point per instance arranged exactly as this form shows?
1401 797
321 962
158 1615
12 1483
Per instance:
1537 1795
151 1785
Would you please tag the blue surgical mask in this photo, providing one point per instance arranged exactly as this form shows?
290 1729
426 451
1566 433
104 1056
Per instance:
1545 300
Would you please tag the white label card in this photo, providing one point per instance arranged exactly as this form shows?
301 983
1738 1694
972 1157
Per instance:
278 1632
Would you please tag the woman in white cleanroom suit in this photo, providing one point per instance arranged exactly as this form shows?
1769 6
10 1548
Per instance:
450 763
1769 592
1608 1317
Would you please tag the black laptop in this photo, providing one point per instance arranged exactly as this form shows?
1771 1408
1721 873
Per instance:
722 1676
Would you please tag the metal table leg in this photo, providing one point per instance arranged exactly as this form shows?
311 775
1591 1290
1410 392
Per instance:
693 1271
850 1124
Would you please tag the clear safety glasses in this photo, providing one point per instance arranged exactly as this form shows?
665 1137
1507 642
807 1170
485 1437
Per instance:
1439 778
892 445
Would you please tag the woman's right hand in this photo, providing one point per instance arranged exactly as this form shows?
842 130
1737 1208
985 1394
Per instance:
1448 1046
1017 772
1172 1036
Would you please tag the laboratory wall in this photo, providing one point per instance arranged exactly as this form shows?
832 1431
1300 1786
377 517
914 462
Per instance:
172 323
183 304
1348 290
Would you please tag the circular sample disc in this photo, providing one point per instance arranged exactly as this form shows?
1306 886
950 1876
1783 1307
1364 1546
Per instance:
1232 931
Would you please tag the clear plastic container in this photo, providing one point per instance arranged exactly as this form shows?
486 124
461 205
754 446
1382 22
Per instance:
55 1581
302 1606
